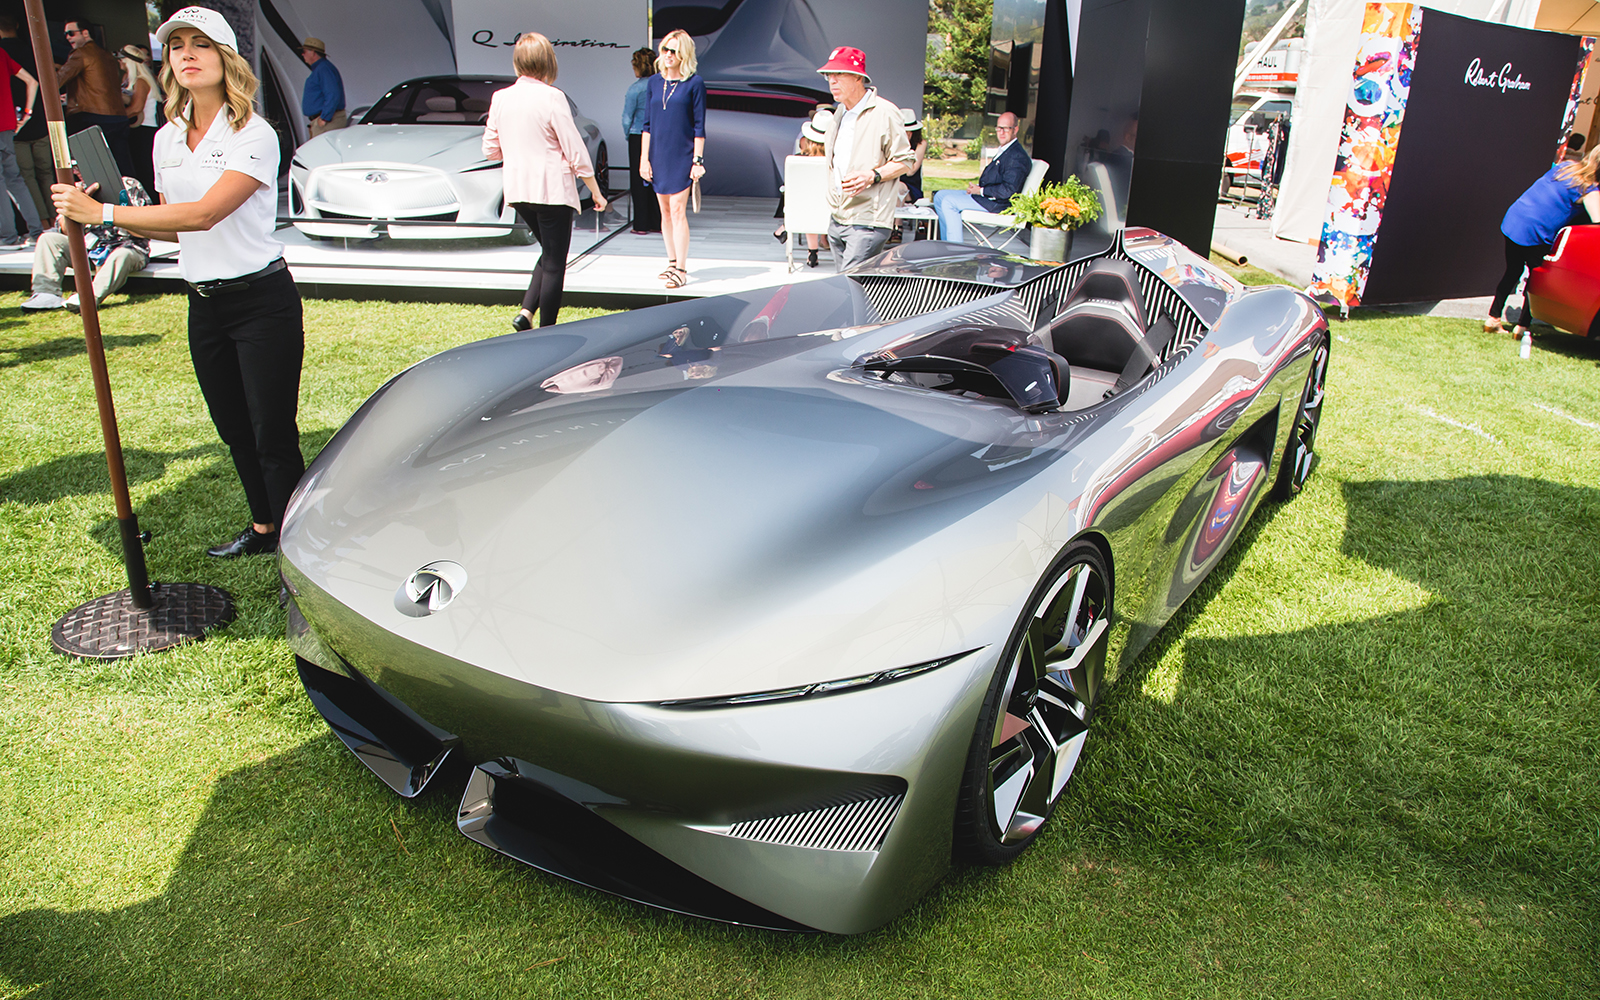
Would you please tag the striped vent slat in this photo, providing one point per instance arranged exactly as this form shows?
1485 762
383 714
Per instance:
895 298
854 826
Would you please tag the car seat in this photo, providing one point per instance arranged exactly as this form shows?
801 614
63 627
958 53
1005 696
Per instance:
1102 324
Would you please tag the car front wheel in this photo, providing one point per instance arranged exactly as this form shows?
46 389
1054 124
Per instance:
1035 719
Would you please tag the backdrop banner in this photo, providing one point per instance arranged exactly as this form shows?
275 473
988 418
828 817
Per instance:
1412 214
594 41
1333 33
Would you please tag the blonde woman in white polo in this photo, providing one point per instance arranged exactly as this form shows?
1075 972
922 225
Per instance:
217 170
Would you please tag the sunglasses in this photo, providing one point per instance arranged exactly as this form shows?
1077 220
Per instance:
669 50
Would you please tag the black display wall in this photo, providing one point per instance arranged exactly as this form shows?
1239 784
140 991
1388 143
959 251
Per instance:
1469 146
1189 59
1148 99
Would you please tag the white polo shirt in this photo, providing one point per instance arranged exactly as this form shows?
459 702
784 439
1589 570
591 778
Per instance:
242 243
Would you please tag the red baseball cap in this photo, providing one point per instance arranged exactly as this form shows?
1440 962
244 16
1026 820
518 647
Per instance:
847 60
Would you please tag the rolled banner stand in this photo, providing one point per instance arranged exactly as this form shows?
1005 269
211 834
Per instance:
146 616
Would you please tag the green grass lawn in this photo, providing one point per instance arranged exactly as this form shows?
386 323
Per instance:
1363 760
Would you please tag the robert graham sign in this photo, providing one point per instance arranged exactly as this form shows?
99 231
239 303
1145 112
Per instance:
1500 78
1476 86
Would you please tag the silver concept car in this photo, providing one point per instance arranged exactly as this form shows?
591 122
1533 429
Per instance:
763 607
416 158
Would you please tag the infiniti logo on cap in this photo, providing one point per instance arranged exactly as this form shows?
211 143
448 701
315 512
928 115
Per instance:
376 177
430 588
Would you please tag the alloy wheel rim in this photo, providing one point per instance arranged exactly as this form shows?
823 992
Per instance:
1040 730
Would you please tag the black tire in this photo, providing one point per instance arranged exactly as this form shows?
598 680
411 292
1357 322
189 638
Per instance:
602 170
1035 718
1299 452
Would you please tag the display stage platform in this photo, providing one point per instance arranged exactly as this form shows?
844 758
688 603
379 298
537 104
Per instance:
730 249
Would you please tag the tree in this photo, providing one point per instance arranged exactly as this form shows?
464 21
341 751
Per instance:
958 59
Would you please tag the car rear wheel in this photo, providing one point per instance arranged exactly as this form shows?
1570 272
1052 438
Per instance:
1035 719
1299 453
602 170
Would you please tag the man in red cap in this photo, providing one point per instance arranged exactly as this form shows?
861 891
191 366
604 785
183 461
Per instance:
866 149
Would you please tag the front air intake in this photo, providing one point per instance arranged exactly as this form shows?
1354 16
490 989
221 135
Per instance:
854 826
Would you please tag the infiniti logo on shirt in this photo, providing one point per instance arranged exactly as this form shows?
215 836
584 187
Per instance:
376 177
1500 78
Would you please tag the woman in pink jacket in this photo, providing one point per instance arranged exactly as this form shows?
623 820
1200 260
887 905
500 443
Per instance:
530 127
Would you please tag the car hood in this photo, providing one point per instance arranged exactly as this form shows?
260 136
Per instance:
445 147
720 520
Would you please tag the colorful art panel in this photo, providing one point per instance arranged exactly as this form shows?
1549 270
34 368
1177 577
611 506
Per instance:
1370 138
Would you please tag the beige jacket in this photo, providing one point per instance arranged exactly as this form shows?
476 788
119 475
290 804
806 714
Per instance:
880 138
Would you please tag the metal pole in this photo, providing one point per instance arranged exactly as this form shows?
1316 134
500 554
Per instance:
132 543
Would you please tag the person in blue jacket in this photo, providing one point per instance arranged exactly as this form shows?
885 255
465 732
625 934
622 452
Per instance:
635 112
1003 177
323 100
1564 195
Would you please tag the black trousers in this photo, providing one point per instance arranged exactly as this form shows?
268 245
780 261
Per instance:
552 224
1518 258
247 348
646 210
115 128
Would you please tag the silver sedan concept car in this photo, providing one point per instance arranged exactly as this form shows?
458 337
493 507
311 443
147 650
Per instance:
763 607
415 157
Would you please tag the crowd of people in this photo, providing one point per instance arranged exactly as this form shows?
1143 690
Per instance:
214 164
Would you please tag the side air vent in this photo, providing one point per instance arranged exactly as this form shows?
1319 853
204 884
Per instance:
854 826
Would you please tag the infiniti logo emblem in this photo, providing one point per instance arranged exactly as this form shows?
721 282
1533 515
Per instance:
376 177
430 588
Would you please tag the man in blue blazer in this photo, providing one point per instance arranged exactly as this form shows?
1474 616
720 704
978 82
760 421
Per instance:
1003 177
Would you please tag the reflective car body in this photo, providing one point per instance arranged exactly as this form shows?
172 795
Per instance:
416 156
1564 291
708 596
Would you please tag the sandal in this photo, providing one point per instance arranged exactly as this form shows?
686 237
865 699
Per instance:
811 258
666 275
781 235
677 277
1494 325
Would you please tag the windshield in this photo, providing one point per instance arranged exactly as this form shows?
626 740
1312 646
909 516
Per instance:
450 100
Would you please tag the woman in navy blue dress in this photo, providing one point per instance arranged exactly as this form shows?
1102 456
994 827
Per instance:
674 146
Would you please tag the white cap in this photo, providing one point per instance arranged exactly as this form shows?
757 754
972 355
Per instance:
213 24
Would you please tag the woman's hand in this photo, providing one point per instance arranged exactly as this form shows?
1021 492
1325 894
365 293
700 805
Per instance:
645 173
599 202
73 201
696 172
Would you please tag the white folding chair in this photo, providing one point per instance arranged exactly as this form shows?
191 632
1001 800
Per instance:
972 218
805 199
1098 178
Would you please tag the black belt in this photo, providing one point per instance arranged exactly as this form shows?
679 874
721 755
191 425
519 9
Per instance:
227 286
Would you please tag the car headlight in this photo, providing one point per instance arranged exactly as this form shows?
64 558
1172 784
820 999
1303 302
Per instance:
824 687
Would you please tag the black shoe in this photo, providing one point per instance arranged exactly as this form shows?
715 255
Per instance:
811 258
521 323
250 542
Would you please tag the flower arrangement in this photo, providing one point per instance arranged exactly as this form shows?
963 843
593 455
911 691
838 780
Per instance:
1067 205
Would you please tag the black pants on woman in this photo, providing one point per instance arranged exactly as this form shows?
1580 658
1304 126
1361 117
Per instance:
552 224
646 210
1518 258
247 347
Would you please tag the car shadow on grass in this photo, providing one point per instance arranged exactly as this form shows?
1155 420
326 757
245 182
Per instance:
1439 750
1440 740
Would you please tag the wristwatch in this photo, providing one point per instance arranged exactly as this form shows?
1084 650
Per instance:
699 161
877 178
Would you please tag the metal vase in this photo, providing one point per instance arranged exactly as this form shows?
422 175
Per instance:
1049 244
